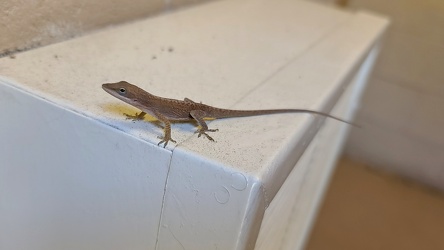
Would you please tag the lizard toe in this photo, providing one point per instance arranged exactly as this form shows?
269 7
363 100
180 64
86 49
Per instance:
164 141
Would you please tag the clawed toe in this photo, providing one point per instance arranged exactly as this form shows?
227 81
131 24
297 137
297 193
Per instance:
209 137
134 117
164 141
203 132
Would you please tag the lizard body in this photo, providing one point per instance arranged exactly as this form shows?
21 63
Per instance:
169 110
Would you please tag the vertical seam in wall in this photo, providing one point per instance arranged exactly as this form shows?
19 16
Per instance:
163 199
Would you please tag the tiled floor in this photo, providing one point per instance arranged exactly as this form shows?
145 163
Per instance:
365 209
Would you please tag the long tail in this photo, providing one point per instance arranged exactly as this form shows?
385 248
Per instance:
227 113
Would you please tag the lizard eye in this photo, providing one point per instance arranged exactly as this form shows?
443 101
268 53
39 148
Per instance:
122 90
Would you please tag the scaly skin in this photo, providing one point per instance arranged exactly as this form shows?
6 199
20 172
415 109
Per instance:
170 110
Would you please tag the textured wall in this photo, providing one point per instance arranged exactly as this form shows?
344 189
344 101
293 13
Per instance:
403 108
25 24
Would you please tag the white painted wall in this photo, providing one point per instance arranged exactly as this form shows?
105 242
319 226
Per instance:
402 110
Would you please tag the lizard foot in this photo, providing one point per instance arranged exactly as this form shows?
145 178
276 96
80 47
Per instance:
203 132
137 116
165 141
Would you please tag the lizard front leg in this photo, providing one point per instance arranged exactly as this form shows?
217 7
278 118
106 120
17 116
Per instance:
136 116
166 130
199 115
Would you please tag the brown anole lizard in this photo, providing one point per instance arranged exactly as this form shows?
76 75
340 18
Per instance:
171 110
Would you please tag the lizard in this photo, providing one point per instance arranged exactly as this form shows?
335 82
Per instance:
169 110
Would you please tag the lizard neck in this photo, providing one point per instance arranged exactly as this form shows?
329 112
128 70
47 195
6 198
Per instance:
143 100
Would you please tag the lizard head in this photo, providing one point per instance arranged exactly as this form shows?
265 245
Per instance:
125 91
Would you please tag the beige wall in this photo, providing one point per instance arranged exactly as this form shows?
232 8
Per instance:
27 24
403 108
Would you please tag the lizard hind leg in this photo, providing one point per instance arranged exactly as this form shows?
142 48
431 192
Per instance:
199 115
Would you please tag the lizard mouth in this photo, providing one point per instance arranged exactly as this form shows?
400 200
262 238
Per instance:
109 90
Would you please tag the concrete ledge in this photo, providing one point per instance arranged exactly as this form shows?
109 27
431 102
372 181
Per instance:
206 195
